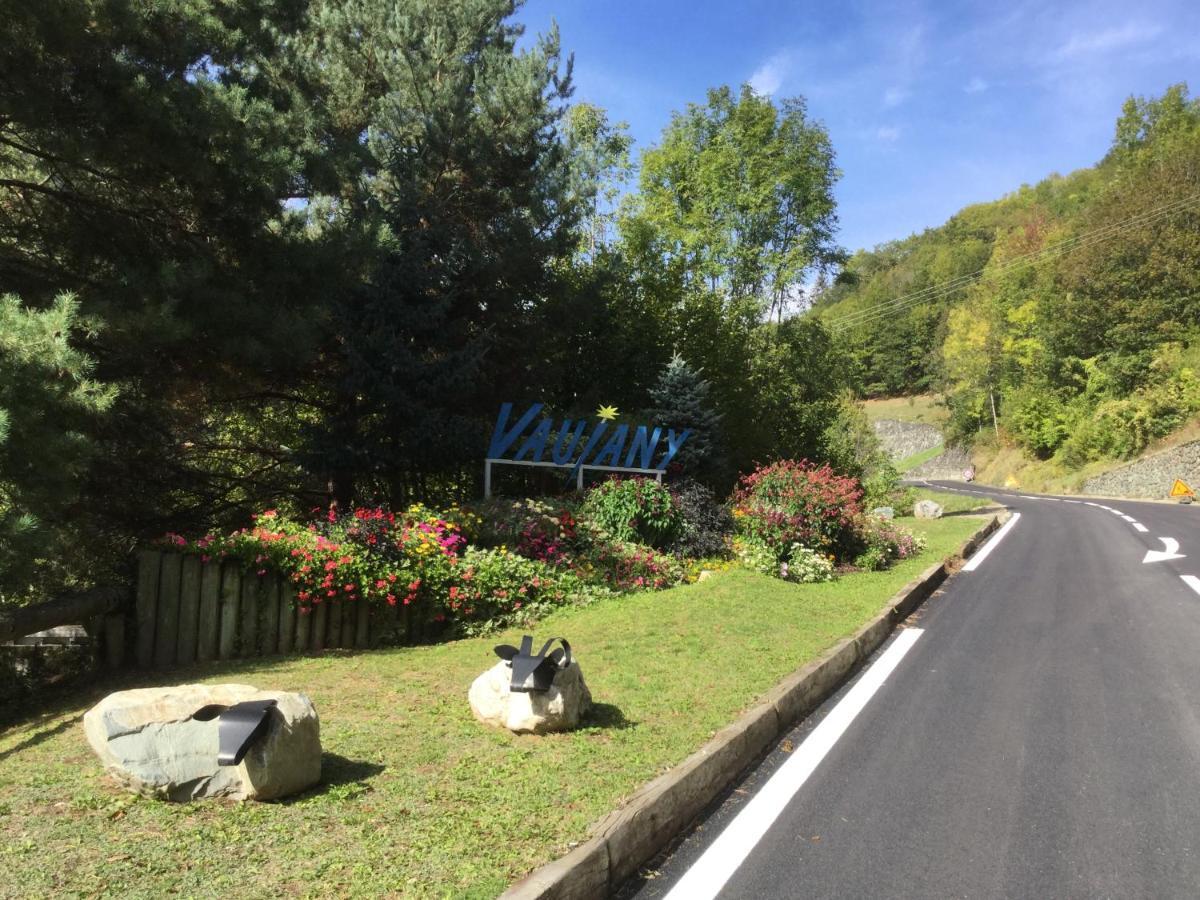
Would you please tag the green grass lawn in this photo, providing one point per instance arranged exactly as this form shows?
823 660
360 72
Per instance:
911 462
918 408
417 798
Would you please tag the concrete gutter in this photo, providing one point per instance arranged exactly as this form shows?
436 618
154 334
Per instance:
664 808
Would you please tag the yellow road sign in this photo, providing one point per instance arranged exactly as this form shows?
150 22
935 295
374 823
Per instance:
1179 489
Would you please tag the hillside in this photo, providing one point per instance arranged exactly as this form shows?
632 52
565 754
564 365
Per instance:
1078 343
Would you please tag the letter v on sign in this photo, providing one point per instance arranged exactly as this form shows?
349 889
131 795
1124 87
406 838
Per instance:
1170 551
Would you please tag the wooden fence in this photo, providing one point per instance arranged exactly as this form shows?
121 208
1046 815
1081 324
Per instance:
189 610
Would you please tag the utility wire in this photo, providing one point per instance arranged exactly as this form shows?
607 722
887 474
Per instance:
1030 258
893 306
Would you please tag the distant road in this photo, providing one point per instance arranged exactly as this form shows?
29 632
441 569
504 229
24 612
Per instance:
1035 733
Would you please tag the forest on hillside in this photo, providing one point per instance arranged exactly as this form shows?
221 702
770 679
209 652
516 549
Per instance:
297 254
1080 339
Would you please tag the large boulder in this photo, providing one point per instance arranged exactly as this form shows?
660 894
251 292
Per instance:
927 509
148 740
558 709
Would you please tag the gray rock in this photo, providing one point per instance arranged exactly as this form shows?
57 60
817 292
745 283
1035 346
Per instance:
149 742
927 509
558 709
883 512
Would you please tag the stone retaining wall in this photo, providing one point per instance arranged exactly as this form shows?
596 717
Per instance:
945 466
904 439
1151 476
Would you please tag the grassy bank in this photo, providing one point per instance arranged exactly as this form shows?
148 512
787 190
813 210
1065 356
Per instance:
417 798
923 408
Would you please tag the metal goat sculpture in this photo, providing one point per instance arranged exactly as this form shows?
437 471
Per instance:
238 727
534 673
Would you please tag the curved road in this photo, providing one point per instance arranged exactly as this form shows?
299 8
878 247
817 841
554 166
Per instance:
1039 736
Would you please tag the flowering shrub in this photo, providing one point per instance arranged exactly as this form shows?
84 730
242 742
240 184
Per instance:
624 566
797 502
756 555
537 529
495 587
806 566
883 543
633 509
369 554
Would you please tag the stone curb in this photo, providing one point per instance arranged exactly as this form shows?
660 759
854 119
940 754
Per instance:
664 808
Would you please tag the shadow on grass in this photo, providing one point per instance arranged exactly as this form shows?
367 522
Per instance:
44 735
90 688
341 778
606 715
978 511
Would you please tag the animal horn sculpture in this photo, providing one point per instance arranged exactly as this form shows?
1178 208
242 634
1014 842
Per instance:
532 673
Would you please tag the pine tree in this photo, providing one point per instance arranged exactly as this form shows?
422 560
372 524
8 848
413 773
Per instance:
47 397
682 401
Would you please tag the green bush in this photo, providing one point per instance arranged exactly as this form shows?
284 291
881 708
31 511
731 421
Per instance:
705 524
633 510
797 502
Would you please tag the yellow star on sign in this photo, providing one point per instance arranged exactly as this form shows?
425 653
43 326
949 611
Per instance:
607 412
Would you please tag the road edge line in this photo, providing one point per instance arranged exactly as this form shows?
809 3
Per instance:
665 807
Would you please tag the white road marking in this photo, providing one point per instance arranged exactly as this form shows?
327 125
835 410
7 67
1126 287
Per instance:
1170 551
1027 497
1072 501
717 864
1191 581
1140 527
1128 518
1090 503
982 553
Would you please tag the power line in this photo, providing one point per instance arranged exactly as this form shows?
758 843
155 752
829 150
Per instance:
1095 236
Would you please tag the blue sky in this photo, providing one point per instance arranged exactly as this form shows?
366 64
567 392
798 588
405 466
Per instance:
930 106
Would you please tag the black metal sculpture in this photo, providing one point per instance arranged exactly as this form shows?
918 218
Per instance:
534 673
238 727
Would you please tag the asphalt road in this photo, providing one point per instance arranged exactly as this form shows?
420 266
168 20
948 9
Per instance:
1040 738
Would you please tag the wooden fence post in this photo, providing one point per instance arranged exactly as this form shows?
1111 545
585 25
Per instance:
189 610
208 628
231 600
287 616
269 638
166 632
320 614
248 640
149 563
304 624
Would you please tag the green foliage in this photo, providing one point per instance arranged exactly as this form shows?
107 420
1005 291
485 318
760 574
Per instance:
705 524
1071 357
682 403
49 407
883 543
633 509
791 502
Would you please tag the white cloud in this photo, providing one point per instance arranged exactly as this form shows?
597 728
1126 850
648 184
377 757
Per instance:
769 76
888 133
894 96
1099 42
976 85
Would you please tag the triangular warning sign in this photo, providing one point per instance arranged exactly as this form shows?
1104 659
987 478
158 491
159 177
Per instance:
1179 489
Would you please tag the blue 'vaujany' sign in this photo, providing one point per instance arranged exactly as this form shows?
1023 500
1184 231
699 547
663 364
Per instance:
574 446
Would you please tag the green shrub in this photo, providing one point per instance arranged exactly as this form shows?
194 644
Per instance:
495 588
756 555
792 502
883 542
633 510
705 524
806 566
